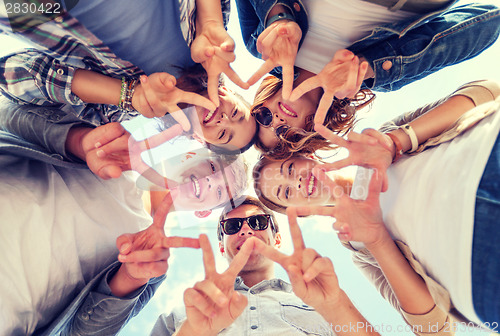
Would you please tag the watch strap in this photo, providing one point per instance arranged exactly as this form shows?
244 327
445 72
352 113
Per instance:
279 16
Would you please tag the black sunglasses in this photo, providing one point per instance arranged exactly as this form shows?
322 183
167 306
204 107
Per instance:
231 226
264 117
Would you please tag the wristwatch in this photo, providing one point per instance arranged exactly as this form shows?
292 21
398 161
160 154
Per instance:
280 16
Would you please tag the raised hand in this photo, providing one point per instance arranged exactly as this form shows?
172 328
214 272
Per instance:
145 254
157 95
312 277
278 45
110 150
356 220
341 77
371 149
214 49
212 304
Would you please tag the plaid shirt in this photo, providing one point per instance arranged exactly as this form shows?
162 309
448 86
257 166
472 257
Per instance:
43 75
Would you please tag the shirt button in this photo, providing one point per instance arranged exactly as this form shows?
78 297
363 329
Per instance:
296 6
253 308
90 310
60 72
85 316
387 65
252 292
254 327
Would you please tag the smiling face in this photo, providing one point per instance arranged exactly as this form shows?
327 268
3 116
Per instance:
284 112
233 243
230 125
205 186
291 183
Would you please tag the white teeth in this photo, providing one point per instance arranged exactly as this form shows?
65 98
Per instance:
209 116
287 111
196 185
311 185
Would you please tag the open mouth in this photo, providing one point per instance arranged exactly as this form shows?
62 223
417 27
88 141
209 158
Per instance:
210 116
311 187
196 186
287 110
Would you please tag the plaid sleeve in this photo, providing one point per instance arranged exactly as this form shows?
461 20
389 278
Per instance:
33 77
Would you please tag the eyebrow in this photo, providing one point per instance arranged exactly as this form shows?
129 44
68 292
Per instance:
281 167
278 193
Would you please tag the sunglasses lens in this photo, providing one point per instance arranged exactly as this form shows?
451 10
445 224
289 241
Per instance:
264 116
232 225
258 222
281 130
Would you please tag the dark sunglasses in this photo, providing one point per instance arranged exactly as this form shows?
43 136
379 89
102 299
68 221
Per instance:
264 117
231 226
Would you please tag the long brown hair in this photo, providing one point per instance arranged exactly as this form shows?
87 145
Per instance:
257 175
340 119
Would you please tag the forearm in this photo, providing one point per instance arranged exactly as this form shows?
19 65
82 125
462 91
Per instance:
410 289
435 121
208 11
186 330
93 87
346 318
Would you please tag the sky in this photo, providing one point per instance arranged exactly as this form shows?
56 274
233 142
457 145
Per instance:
185 266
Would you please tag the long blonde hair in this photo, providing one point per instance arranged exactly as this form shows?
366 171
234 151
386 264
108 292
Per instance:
340 119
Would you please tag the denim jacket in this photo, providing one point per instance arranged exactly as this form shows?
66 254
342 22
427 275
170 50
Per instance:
402 52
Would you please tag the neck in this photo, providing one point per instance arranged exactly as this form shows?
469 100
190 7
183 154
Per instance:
253 277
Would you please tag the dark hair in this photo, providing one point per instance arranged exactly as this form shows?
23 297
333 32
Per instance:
245 199
195 79
340 119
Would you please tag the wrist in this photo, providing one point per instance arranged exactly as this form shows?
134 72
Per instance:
74 141
188 330
381 241
123 283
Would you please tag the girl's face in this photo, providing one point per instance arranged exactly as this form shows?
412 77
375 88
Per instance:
204 186
285 112
291 183
230 125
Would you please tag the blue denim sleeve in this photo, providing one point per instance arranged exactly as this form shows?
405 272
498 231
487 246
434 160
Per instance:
46 127
252 15
401 56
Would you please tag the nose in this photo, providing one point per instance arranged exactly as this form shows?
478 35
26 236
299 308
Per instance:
299 182
223 118
278 120
246 230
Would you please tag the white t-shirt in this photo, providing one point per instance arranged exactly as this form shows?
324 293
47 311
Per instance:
336 24
430 206
58 229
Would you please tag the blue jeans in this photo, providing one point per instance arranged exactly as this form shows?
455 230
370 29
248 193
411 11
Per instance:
485 246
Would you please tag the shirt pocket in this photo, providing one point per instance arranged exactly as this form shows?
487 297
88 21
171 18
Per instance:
304 318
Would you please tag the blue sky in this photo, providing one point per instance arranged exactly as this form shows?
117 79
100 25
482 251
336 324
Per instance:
185 265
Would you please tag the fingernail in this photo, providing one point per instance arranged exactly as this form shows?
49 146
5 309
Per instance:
97 145
100 153
144 79
124 247
122 258
221 301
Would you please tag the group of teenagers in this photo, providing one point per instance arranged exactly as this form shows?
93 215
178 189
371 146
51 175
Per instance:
81 255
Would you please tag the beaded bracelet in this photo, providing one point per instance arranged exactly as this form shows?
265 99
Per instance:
127 92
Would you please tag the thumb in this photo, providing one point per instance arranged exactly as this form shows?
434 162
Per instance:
124 243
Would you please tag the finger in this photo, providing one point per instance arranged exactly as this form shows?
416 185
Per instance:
337 164
267 42
124 243
227 56
319 265
168 242
213 88
233 76
323 107
228 45
315 210
271 253
241 258
109 172
330 136
350 82
193 299
262 37
295 233
208 288
306 86
385 184
181 118
382 138
107 133
237 304
198 100
308 257
208 256
162 211
263 70
157 139
288 75
375 187
363 68
149 93
361 138
150 255
297 280
120 144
